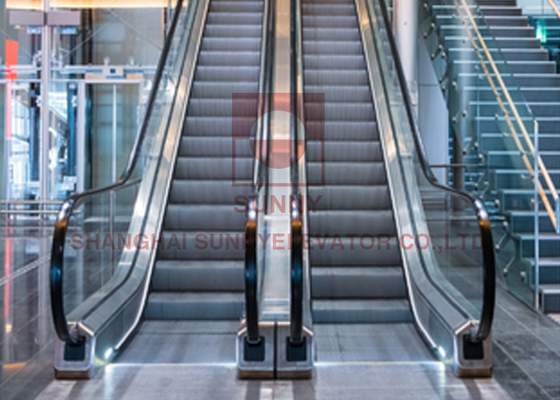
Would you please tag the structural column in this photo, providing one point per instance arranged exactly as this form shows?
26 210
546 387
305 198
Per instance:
405 28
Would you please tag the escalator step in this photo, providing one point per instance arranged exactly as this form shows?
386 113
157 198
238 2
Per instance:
222 90
336 198
228 31
360 222
229 58
358 282
342 34
322 21
191 217
338 64
215 192
198 276
334 47
221 108
231 44
193 305
343 173
331 70
201 245
204 146
342 111
346 9
219 125
343 151
236 6
361 311
362 251
226 73
213 168
237 18
338 130
351 93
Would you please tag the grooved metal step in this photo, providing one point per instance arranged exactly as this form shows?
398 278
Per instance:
201 245
358 282
371 197
361 311
198 276
192 305
374 222
191 217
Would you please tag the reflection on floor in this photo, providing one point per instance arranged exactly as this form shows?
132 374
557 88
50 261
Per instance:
354 381
26 332
527 352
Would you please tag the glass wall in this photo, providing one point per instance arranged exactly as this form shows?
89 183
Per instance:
99 80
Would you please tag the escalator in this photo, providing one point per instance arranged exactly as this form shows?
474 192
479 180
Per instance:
204 280
357 285
205 290
182 198
197 290
358 280
378 292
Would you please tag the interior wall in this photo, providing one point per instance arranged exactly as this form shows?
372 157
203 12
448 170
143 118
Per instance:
433 117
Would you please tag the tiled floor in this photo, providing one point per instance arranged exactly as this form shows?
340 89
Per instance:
527 354
526 345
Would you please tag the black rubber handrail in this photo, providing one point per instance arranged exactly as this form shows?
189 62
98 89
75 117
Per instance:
75 200
251 283
261 149
488 256
296 273
296 217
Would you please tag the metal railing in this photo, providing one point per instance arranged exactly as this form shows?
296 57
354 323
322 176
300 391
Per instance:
40 210
468 20
554 8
